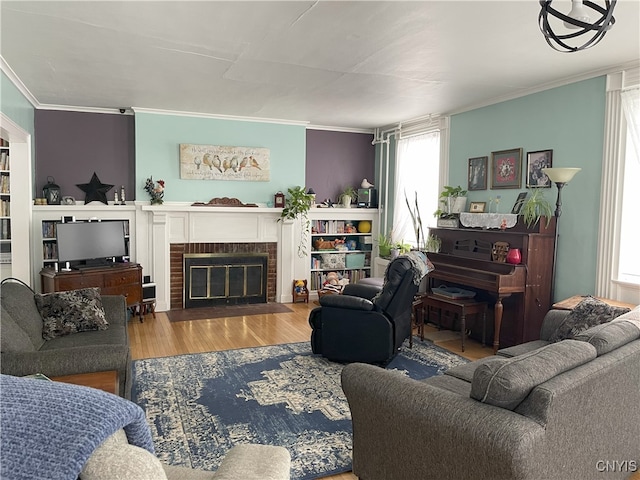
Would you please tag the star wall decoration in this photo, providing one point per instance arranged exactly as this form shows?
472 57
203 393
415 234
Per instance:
95 190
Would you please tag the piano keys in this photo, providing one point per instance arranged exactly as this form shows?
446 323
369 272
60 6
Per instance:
519 295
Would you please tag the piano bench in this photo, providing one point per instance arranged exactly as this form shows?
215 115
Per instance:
458 306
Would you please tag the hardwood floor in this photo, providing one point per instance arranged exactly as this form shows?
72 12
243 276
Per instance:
158 337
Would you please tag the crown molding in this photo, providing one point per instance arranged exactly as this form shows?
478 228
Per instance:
8 71
218 117
69 108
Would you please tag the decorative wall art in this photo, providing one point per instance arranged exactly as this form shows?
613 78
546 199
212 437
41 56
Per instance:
477 173
536 161
215 162
506 168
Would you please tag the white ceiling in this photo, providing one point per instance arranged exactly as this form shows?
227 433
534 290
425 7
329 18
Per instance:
359 64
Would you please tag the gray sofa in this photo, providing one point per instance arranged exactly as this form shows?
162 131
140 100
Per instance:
25 352
541 410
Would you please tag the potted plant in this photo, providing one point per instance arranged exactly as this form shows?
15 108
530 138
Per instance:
348 195
453 201
297 205
384 245
536 206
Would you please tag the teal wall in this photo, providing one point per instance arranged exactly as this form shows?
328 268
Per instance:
157 154
14 105
570 121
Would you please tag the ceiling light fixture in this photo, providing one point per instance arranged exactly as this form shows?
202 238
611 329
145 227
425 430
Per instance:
578 19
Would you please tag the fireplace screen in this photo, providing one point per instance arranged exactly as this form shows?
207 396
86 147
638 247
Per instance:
212 279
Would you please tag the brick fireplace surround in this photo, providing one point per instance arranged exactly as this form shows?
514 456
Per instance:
177 250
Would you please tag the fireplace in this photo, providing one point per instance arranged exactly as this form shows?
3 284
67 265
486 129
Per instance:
213 279
251 267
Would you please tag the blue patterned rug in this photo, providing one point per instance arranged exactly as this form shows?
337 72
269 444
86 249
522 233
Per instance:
200 405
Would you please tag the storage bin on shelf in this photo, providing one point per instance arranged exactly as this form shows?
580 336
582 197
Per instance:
355 260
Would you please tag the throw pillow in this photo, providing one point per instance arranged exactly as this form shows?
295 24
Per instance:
588 313
73 311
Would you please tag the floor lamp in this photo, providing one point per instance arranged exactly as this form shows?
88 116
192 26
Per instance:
559 176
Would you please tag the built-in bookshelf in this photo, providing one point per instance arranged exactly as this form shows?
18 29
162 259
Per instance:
342 242
5 203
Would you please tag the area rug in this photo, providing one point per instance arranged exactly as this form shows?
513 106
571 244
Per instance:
202 313
198 406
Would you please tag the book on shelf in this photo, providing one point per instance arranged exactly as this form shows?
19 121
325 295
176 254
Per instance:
5 229
5 208
4 161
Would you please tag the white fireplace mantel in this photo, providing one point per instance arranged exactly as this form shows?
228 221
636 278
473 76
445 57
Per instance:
179 223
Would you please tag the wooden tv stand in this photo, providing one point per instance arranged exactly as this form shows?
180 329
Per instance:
120 279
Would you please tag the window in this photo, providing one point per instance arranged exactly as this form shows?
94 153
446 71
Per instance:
417 170
629 260
618 265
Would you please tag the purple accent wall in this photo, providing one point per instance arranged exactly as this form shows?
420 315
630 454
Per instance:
336 160
70 146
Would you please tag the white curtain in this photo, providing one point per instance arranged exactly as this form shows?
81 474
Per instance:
417 170
631 107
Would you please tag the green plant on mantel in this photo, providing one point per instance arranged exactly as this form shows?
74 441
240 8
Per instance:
536 206
296 206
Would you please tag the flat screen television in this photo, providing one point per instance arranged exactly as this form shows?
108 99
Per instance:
91 243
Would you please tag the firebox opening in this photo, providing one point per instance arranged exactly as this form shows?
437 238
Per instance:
214 279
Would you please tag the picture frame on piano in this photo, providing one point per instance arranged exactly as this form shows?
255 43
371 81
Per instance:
477 207
522 196
506 168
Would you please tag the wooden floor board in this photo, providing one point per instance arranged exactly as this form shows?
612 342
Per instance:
158 337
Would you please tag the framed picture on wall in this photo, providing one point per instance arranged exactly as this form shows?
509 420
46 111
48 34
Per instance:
477 173
506 168
536 161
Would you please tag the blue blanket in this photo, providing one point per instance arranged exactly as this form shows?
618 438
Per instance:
49 429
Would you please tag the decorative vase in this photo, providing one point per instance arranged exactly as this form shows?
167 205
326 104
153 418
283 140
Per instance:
459 205
514 257
346 201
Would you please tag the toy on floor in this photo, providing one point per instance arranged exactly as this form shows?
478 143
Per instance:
300 291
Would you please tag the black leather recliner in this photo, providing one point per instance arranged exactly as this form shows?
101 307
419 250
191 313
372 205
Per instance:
364 323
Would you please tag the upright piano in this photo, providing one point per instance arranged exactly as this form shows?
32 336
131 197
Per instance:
520 295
